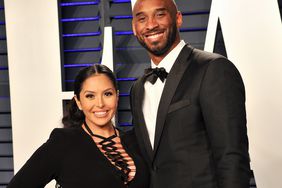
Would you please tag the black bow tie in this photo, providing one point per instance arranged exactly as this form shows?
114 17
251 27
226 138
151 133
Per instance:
153 74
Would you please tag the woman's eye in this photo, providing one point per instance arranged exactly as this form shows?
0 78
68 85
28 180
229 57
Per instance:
108 93
90 96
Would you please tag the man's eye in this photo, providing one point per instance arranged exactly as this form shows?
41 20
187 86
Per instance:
108 93
90 96
160 14
141 19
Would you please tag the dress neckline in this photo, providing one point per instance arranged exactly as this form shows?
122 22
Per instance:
110 155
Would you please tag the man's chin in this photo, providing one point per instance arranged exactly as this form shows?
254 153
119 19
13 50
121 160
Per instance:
154 49
157 51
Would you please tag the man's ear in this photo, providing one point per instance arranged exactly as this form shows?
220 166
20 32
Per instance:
179 19
133 27
77 102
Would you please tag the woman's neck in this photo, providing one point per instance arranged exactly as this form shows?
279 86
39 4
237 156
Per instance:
105 131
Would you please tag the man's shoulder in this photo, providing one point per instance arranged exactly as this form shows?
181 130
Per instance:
135 84
212 61
129 139
204 56
127 135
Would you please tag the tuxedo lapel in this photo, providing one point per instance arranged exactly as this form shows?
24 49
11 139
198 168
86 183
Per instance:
139 97
170 86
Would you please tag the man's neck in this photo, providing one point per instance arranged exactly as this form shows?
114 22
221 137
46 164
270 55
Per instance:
157 59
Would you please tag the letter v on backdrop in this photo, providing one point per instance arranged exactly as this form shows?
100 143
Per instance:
252 32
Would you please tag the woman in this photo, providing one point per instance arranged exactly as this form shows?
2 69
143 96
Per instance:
89 151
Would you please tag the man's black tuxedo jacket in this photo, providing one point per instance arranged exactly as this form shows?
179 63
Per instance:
201 136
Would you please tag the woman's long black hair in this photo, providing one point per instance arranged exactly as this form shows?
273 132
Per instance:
73 116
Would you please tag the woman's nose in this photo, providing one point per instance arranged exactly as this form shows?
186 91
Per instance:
100 102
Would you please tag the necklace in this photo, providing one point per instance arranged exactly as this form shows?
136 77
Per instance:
99 136
112 153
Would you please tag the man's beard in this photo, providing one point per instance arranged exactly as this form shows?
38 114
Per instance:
163 50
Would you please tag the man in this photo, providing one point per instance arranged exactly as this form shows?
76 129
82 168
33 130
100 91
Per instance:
191 126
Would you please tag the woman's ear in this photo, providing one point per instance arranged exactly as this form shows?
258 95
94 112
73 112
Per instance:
77 102
117 95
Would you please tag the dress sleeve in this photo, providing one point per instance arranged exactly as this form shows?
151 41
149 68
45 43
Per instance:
42 166
223 105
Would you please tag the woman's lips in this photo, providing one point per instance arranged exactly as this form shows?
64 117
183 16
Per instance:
101 114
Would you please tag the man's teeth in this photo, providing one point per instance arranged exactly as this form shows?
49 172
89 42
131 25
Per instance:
154 36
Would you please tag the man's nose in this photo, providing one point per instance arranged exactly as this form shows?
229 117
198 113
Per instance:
152 23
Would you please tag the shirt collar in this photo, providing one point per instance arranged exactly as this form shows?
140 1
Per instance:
170 58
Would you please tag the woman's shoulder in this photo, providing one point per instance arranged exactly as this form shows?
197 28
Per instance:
63 135
65 131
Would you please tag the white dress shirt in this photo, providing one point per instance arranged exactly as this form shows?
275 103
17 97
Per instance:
153 93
